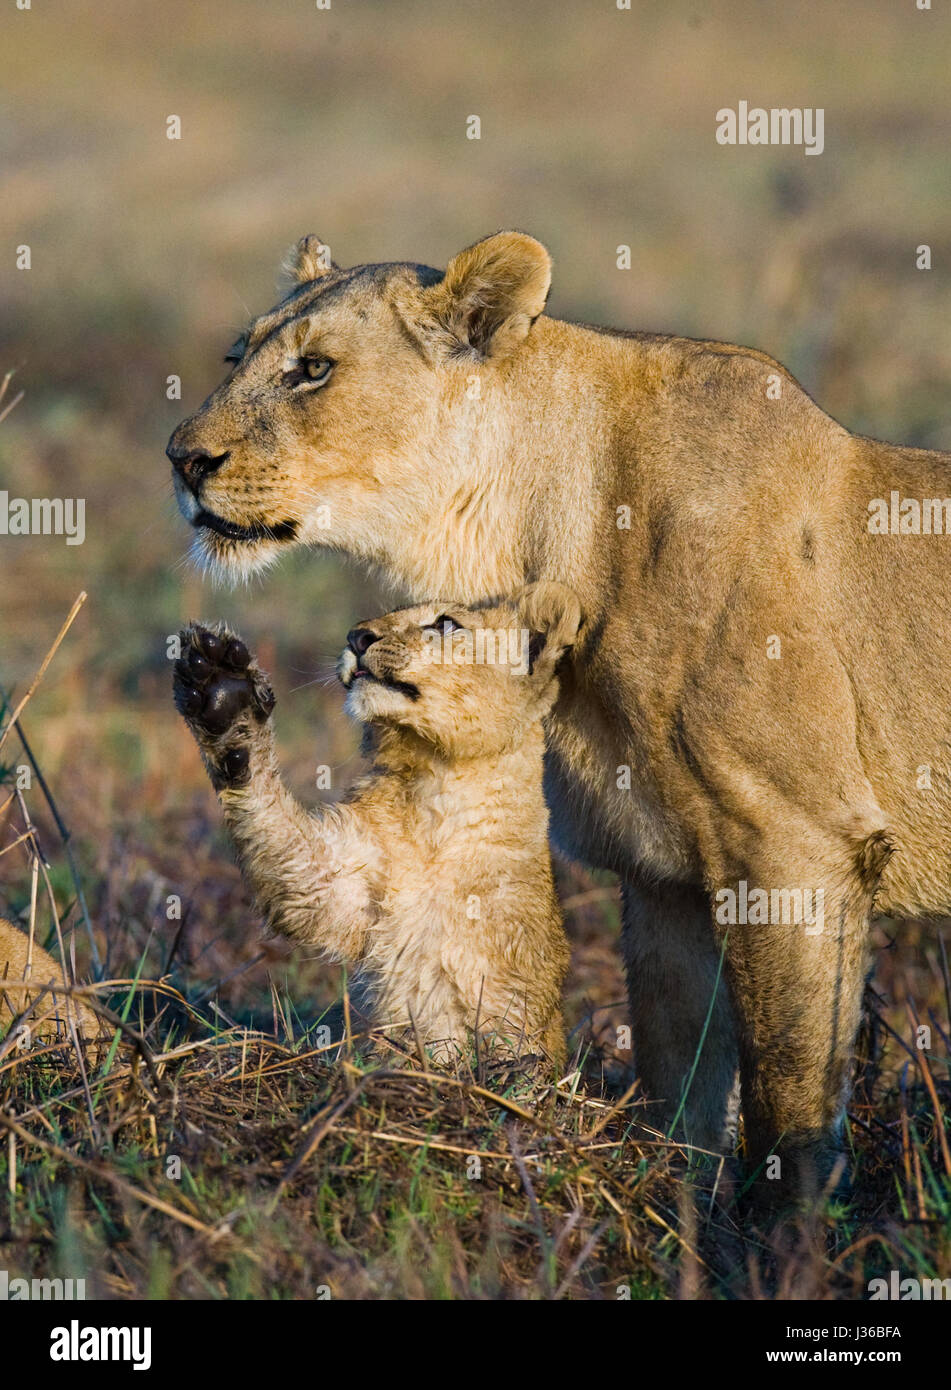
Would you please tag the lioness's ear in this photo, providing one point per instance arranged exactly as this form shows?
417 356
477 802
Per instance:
552 614
308 260
492 293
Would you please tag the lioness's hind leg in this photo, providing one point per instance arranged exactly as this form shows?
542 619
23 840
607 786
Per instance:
797 989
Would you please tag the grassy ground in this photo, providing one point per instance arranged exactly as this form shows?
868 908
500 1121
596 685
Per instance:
147 255
227 1162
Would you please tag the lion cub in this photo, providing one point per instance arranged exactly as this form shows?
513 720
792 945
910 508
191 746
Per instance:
433 873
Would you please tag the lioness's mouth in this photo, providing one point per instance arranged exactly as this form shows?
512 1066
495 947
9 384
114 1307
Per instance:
258 531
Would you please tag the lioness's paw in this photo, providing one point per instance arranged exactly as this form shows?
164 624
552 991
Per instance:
219 690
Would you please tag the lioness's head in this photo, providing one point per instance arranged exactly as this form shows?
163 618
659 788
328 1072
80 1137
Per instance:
338 400
467 681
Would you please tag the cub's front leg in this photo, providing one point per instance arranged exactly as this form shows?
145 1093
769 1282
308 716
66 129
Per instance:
311 872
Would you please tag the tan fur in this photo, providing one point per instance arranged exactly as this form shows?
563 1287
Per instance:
23 975
433 874
700 504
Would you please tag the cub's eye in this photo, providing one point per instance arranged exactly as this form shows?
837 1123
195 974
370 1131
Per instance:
309 371
440 624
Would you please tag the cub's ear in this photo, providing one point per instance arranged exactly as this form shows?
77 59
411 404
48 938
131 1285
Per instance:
308 260
491 294
552 614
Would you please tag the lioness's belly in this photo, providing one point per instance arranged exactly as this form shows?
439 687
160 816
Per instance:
601 811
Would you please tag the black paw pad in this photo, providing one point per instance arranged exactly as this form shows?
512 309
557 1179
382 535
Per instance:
199 665
189 700
226 699
214 645
235 766
238 654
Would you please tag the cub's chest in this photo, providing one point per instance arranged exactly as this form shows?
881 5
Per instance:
449 846
443 833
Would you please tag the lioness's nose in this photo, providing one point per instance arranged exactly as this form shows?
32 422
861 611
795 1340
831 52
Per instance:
194 465
361 639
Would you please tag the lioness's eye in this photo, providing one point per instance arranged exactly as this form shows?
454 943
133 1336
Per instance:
318 368
309 371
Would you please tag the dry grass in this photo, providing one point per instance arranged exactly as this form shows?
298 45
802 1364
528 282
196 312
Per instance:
232 1164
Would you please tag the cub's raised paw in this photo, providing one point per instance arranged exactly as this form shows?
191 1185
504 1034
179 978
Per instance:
222 695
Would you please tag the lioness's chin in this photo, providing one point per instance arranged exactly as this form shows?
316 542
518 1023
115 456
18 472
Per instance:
228 561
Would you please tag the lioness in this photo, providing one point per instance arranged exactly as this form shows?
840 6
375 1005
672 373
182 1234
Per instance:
759 679
433 874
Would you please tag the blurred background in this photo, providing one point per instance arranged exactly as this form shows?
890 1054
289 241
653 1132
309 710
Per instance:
149 254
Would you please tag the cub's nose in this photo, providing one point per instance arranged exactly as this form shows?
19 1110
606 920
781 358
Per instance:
361 639
194 465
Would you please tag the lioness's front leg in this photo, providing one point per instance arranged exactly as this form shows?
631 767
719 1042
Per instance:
309 872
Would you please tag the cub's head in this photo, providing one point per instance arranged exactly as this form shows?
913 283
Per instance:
466 681
340 400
